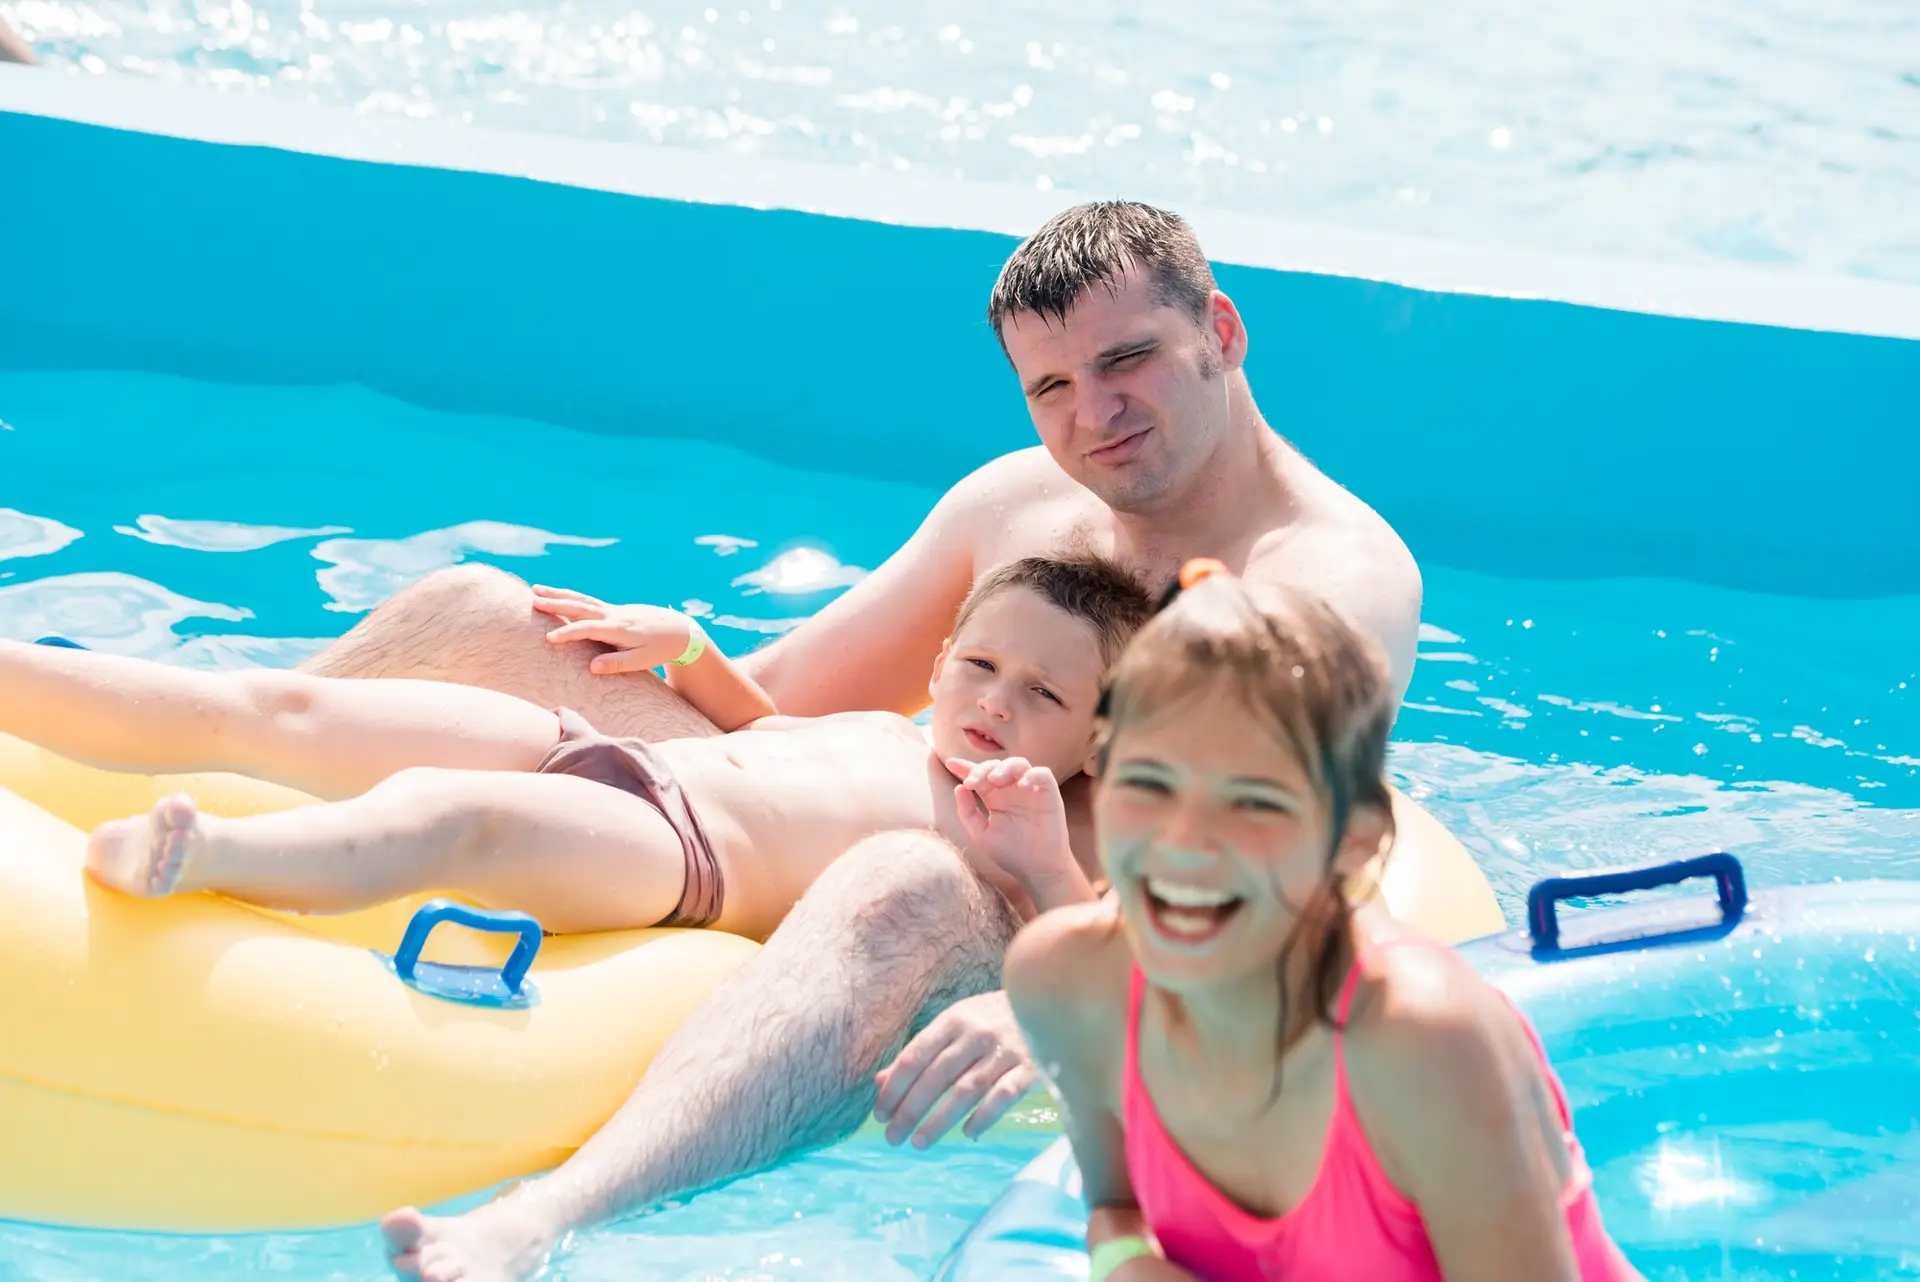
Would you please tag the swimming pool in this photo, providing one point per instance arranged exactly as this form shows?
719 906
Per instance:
1656 621
225 525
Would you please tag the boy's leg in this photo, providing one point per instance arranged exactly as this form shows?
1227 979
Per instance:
329 737
578 855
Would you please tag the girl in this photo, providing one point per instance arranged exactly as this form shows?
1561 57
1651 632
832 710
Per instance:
1263 1078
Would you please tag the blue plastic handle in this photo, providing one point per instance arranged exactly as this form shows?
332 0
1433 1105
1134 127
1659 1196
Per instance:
1544 924
407 957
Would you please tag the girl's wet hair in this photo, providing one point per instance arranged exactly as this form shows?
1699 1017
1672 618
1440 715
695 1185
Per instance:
1316 681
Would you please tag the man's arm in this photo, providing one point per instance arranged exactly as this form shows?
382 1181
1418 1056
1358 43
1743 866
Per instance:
873 648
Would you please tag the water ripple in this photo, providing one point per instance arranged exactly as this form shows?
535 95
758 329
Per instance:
361 573
106 610
218 536
22 534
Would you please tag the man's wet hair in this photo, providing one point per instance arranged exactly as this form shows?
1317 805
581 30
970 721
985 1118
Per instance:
1096 244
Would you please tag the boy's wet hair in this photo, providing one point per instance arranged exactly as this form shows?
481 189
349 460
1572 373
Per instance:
1096 590
1096 244
1319 683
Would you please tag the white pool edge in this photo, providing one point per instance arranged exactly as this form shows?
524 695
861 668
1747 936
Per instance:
1738 294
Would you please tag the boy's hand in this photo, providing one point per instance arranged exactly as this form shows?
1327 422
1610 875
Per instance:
1014 817
642 636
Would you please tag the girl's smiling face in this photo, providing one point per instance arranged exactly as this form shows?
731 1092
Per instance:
1217 838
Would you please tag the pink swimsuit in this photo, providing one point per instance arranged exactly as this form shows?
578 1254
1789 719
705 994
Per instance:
1353 1223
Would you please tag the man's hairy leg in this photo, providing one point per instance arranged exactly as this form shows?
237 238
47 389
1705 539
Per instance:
780 1058
475 625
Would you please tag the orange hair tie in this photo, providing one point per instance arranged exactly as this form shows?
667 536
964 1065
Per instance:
1199 568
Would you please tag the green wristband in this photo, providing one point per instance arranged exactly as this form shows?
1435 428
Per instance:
696 644
1113 1253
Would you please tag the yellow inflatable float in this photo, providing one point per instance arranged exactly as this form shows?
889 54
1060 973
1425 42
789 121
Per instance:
196 1064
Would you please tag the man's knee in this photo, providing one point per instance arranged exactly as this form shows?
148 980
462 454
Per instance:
906 892
469 589
449 621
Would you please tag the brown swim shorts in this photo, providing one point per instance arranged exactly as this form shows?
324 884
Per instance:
632 765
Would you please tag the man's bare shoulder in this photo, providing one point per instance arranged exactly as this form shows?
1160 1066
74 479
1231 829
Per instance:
1356 562
1022 504
1028 473
1321 555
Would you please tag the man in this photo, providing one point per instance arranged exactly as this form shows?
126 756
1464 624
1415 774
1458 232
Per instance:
1152 451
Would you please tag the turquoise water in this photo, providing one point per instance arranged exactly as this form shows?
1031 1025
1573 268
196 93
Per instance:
1551 724
860 1211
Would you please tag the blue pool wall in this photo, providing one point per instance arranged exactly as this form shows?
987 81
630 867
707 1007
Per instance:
1517 414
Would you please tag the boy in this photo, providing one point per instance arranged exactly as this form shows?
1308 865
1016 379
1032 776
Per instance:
467 790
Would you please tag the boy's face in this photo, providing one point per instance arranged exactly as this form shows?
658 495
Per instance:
1019 679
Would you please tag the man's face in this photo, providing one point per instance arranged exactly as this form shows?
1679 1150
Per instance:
1129 396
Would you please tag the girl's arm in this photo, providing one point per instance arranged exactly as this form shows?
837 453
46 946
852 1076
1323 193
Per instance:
1066 975
723 693
1450 1091
644 637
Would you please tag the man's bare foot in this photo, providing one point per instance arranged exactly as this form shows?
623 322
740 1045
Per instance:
147 856
498 1242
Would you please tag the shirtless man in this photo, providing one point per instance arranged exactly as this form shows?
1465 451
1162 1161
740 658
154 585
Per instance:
1152 451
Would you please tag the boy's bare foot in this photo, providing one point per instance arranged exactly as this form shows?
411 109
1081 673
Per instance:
147 856
498 1242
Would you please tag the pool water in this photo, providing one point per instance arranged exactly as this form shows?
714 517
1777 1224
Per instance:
861 1211
1550 725
1708 131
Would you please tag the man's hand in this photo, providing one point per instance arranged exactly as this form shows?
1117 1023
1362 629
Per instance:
642 636
970 1058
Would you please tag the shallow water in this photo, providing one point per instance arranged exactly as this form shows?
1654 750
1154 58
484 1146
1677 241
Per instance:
863 1212
1551 724
1783 133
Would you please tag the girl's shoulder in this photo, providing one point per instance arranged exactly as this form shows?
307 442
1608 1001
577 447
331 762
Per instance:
1068 973
1433 1051
1074 953
1418 1008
